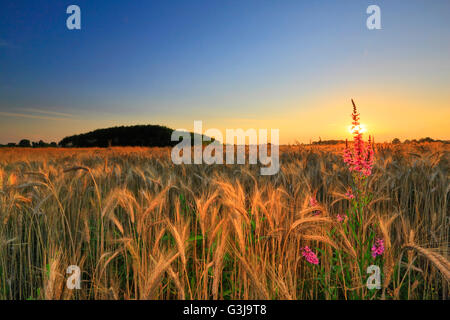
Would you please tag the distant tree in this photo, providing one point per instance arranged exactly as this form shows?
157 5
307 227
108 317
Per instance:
396 141
53 144
25 143
406 141
327 142
11 144
40 144
427 139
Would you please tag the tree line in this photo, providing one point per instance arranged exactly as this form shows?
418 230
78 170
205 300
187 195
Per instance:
25 143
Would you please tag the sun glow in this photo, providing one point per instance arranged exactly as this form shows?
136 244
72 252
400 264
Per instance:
361 128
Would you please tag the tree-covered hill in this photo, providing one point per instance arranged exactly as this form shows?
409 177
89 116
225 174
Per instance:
139 135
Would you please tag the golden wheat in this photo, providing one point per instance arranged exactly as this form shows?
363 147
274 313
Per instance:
140 227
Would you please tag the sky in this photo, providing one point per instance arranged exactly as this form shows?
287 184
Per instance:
287 65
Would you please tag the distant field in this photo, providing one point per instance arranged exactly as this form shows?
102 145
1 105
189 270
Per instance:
140 227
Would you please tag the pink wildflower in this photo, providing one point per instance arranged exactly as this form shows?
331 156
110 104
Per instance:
350 194
340 217
313 203
309 255
378 248
360 159
368 163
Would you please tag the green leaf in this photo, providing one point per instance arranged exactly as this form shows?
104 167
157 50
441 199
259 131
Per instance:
196 238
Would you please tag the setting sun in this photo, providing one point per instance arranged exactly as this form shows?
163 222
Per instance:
360 128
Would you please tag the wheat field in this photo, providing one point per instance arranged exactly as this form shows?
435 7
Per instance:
140 227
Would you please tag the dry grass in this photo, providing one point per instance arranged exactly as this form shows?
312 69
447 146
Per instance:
140 227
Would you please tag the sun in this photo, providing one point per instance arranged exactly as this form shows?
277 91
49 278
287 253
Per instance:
361 128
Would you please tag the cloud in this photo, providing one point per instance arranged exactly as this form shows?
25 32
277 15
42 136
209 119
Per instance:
29 116
32 113
52 113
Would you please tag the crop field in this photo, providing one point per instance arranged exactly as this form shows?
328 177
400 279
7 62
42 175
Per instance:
140 227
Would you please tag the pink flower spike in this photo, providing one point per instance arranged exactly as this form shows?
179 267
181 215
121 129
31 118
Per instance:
378 248
310 256
361 158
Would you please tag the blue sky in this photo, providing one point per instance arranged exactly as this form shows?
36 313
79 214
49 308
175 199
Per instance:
292 65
